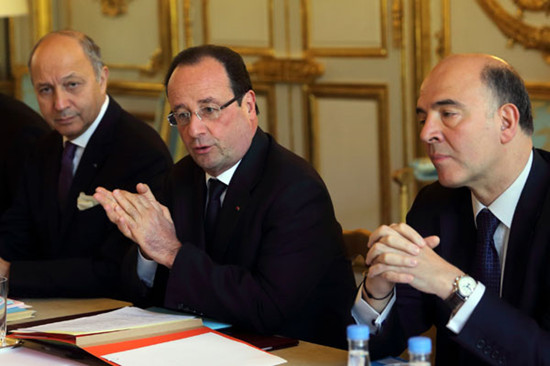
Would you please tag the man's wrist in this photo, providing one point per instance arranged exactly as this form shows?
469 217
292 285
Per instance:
369 296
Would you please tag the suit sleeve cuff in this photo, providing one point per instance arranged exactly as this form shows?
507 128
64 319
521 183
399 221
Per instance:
146 269
458 320
363 313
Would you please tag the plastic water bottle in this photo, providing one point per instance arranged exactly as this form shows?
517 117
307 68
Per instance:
420 349
358 341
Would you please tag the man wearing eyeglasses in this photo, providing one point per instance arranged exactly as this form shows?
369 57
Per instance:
265 252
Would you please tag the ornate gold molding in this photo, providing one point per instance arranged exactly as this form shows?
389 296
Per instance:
140 89
242 49
516 29
337 51
114 8
42 18
378 93
267 90
286 70
397 23
534 5
168 34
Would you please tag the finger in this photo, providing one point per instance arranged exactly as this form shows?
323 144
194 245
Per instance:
392 257
129 202
124 228
108 203
379 233
391 243
390 273
166 213
398 277
432 241
104 197
144 190
408 232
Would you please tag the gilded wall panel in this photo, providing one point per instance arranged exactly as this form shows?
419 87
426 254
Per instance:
133 35
244 25
540 100
344 28
349 143
266 100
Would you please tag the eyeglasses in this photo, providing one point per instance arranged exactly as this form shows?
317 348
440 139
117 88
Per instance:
208 112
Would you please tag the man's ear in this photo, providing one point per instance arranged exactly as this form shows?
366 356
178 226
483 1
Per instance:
509 122
250 101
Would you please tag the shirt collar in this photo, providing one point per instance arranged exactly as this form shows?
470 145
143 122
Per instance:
226 176
83 139
505 205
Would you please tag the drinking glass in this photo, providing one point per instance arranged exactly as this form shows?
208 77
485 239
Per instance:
3 309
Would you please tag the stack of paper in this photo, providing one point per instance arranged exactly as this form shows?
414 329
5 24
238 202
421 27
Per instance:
18 310
119 325
133 337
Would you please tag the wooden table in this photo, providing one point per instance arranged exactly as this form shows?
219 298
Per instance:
47 310
306 354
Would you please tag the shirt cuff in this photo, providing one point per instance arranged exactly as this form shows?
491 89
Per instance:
146 269
363 313
458 320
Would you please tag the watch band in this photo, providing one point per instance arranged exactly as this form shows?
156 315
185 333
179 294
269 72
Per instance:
456 299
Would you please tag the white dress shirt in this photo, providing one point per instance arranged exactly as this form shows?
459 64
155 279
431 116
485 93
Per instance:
146 268
503 208
82 140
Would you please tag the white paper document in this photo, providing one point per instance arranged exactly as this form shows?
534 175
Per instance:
124 318
22 356
205 349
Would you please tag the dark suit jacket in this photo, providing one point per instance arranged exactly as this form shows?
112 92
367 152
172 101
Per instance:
278 264
20 127
514 330
61 251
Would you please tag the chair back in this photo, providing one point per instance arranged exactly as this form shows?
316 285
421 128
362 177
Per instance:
355 243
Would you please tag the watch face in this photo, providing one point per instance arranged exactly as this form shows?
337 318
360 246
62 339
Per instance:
466 286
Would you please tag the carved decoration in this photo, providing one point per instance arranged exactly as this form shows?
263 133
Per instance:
533 5
397 23
269 69
516 29
114 8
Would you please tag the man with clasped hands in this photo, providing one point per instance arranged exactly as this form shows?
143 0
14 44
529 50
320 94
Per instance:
272 261
486 289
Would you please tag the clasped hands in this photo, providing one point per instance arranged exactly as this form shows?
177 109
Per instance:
140 217
398 254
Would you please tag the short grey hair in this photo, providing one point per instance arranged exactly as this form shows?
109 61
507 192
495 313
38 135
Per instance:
90 48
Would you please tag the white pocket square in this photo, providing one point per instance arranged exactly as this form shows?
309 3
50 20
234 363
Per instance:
85 202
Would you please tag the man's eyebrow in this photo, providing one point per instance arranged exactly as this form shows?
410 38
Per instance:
207 100
440 103
447 102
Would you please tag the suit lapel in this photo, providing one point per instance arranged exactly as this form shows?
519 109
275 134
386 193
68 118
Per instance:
191 191
51 172
458 239
238 193
522 241
95 154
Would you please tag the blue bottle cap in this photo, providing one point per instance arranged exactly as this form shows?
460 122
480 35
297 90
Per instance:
420 345
358 332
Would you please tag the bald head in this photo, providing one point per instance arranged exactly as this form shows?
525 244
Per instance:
89 47
69 87
499 78
476 123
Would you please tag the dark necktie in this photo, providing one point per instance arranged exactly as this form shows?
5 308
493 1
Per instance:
215 190
66 173
486 263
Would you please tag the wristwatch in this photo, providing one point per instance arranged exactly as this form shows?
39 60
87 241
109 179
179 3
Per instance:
463 287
